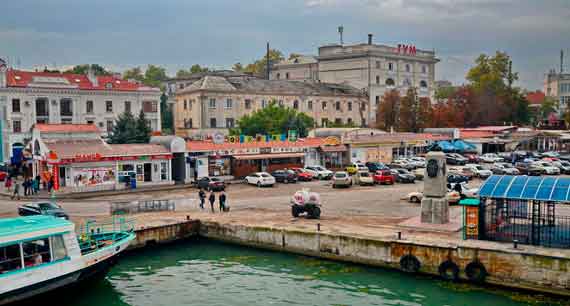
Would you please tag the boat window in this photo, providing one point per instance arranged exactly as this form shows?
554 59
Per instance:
36 252
58 248
10 259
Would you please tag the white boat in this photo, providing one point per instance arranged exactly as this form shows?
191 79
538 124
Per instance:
43 253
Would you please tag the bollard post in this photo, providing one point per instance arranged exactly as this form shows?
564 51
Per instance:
187 218
318 227
399 235
515 243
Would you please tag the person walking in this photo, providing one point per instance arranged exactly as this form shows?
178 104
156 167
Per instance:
36 184
8 183
222 200
202 197
25 184
212 199
51 182
16 193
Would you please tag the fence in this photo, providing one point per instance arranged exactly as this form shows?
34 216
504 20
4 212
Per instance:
531 222
133 207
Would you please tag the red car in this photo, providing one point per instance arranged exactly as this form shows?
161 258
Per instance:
383 177
303 175
3 176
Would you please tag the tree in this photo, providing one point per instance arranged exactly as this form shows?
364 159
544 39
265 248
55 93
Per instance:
134 74
84 69
197 68
166 117
124 130
293 56
154 76
548 106
259 67
142 129
237 67
274 119
387 114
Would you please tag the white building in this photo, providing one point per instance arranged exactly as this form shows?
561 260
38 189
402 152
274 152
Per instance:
372 67
557 86
27 98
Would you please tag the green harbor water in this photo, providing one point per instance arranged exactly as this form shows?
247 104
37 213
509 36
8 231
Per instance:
211 273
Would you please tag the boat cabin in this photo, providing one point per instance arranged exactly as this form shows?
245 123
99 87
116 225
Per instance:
34 241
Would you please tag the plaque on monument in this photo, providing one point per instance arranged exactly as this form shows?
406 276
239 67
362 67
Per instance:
434 203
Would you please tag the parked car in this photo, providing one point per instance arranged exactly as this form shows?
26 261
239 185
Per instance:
211 183
530 169
383 177
462 170
402 163
3 176
549 169
417 161
375 166
42 208
260 179
319 172
285 176
457 178
479 171
491 158
363 178
355 167
472 158
563 165
303 174
453 197
504 168
455 159
550 154
341 179
419 173
403 176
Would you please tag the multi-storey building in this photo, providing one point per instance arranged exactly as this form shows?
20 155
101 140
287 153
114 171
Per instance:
215 104
373 67
27 98
557 86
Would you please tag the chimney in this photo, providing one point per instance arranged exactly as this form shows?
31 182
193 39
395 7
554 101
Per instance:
3 70
561 61
369 39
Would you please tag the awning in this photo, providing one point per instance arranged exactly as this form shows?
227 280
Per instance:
337 148
268 156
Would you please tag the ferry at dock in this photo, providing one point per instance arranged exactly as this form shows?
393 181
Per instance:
41 253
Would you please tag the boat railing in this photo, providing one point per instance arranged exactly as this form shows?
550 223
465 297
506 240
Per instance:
98 233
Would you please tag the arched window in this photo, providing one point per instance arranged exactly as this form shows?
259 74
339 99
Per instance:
278 76
296 104
390 82
406 82
423 84
377 79
408 68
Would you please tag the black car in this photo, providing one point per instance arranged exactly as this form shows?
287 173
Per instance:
374 166
455 159
211 184
285 176
403 176
42 208
457 178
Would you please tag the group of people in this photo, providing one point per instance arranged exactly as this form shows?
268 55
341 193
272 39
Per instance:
222 199
30 185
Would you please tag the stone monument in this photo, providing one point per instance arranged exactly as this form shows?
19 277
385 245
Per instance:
434 203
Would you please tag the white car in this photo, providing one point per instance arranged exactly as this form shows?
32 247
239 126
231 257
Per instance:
479 170
417 196
319 172
417 161
548 167
490 158
260 179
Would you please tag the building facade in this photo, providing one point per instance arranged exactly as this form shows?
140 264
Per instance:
557 86
372 67
28 98
215 104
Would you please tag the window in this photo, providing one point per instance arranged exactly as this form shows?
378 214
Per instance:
324 105
229 103
377 79
65 107
423 84
280 102
337 106
230 123
16 105
89 107
213 123
128 106
150 106
310 105
58 248
349 121
247 104
263 104
377 64
324 122
90 122
10 258
287 75
185 105
424 69
408 68
188 123
390 82
391 66
349 106
17 126
109 126
296 104
406 82
36 252
377 100
66 121
212 103
363 106
338 121
109 106
278 76
163 171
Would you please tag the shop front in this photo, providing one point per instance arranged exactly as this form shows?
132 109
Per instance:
244 165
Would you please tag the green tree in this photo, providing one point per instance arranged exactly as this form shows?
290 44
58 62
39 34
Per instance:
134 74
548 106
237 67
154 76
197 68
274 119
83 69
142 129
124 130
166 117
492 73
259 67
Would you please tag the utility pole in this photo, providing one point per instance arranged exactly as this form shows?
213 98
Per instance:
561 61
340 31
267 60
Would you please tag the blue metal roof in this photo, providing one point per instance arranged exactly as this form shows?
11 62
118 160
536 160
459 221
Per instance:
524 187
20 225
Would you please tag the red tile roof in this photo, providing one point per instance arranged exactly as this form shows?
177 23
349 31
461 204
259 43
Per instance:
463 134
396 138
67 128
491 128
536 97
20 78
206 146
67 149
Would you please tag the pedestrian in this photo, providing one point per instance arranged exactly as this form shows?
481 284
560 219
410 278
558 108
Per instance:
26 185
8 183
16 193
36 184
51 183
222 200
202 196
212 199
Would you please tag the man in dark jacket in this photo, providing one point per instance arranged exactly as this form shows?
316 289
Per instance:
212 199
222 200
202 197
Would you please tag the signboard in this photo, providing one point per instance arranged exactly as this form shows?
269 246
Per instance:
218 138
406 49
332 141
98 158
93 176
471 222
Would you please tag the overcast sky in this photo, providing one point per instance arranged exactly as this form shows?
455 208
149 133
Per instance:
178 33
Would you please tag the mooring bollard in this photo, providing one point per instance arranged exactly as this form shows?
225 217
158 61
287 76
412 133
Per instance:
318 227
187 218
515 243
399 235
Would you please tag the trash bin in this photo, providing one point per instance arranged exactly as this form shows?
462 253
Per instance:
133 183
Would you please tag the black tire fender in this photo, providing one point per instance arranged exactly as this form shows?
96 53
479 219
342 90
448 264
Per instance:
410 264
476 272
448 270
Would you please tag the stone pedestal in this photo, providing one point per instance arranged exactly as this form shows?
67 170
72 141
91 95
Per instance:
435 208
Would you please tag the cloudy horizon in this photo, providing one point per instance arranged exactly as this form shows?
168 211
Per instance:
218 33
